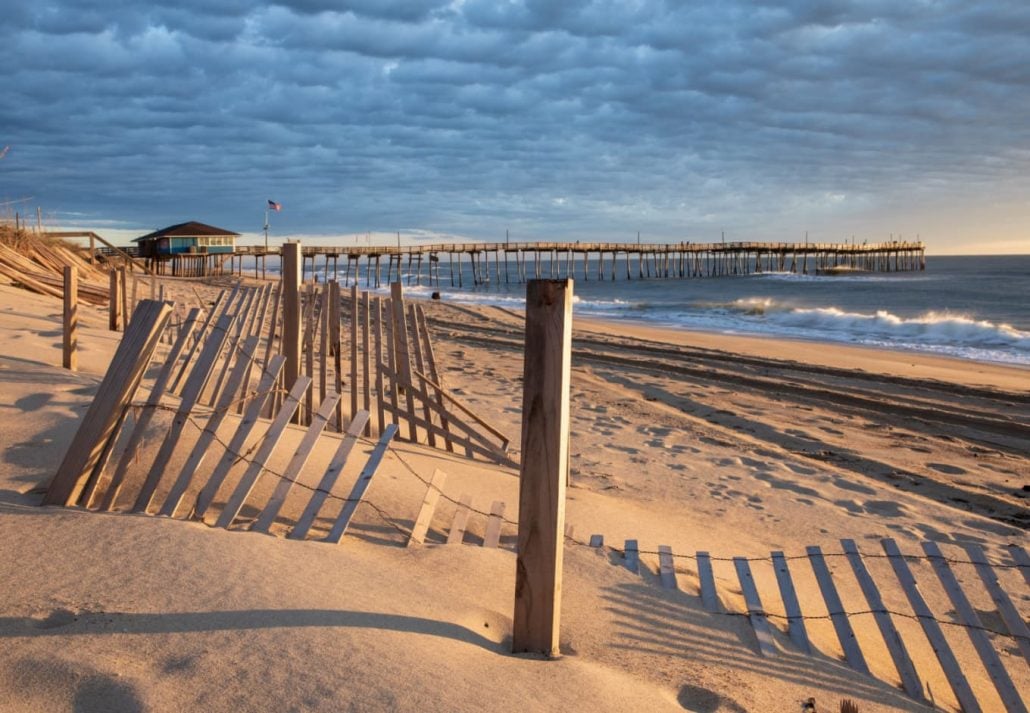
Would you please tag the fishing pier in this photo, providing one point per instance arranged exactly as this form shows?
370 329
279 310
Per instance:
486 263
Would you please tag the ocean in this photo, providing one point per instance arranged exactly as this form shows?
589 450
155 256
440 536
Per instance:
970 307
975 308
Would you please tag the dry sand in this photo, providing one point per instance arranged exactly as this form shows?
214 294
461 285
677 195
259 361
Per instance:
702 442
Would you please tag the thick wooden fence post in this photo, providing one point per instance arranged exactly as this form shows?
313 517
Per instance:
123 290
114 302
70 358
545 460
291 315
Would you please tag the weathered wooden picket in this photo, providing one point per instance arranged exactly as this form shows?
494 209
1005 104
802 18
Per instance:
768 644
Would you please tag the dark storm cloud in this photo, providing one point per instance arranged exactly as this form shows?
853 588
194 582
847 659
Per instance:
567 119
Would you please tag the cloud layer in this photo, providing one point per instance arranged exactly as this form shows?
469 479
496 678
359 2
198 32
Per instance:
564 120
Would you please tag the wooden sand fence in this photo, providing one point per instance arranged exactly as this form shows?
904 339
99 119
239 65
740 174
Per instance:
781 604
223 365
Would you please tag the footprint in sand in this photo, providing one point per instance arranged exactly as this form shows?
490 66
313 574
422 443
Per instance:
885 508
853 507
947 468
800 469
845 484
780 484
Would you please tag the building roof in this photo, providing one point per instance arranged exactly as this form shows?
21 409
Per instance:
192 229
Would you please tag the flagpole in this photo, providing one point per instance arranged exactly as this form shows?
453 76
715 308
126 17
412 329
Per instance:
266 228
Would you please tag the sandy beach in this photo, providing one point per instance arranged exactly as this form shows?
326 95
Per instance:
703 442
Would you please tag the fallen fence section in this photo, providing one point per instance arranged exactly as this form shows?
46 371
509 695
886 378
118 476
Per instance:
985 640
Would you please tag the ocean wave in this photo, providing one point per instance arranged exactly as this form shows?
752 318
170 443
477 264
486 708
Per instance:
845 277
512 300
945 333
942 328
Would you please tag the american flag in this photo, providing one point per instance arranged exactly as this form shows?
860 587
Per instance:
272 205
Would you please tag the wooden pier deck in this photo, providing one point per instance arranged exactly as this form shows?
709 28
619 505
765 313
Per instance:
451 263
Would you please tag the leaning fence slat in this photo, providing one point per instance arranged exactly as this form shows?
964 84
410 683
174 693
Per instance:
492 536
425 513
336 465
113 396
835 608
199 451
974 628
191 392
456 535
377 363
899 653
157 391
297 463
795 621
450 398
264 394
339 528
268 444
239 332
755 613
471 446
709 595
252 352
945 656
433 372
366 358
353 349
273 324
416 343
310 326
1009 614
666 568
336 347
199 337
400 344
323 344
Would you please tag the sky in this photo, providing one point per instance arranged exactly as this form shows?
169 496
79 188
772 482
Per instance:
551 120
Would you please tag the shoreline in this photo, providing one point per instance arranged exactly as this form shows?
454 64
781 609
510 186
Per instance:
900 362
863 357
